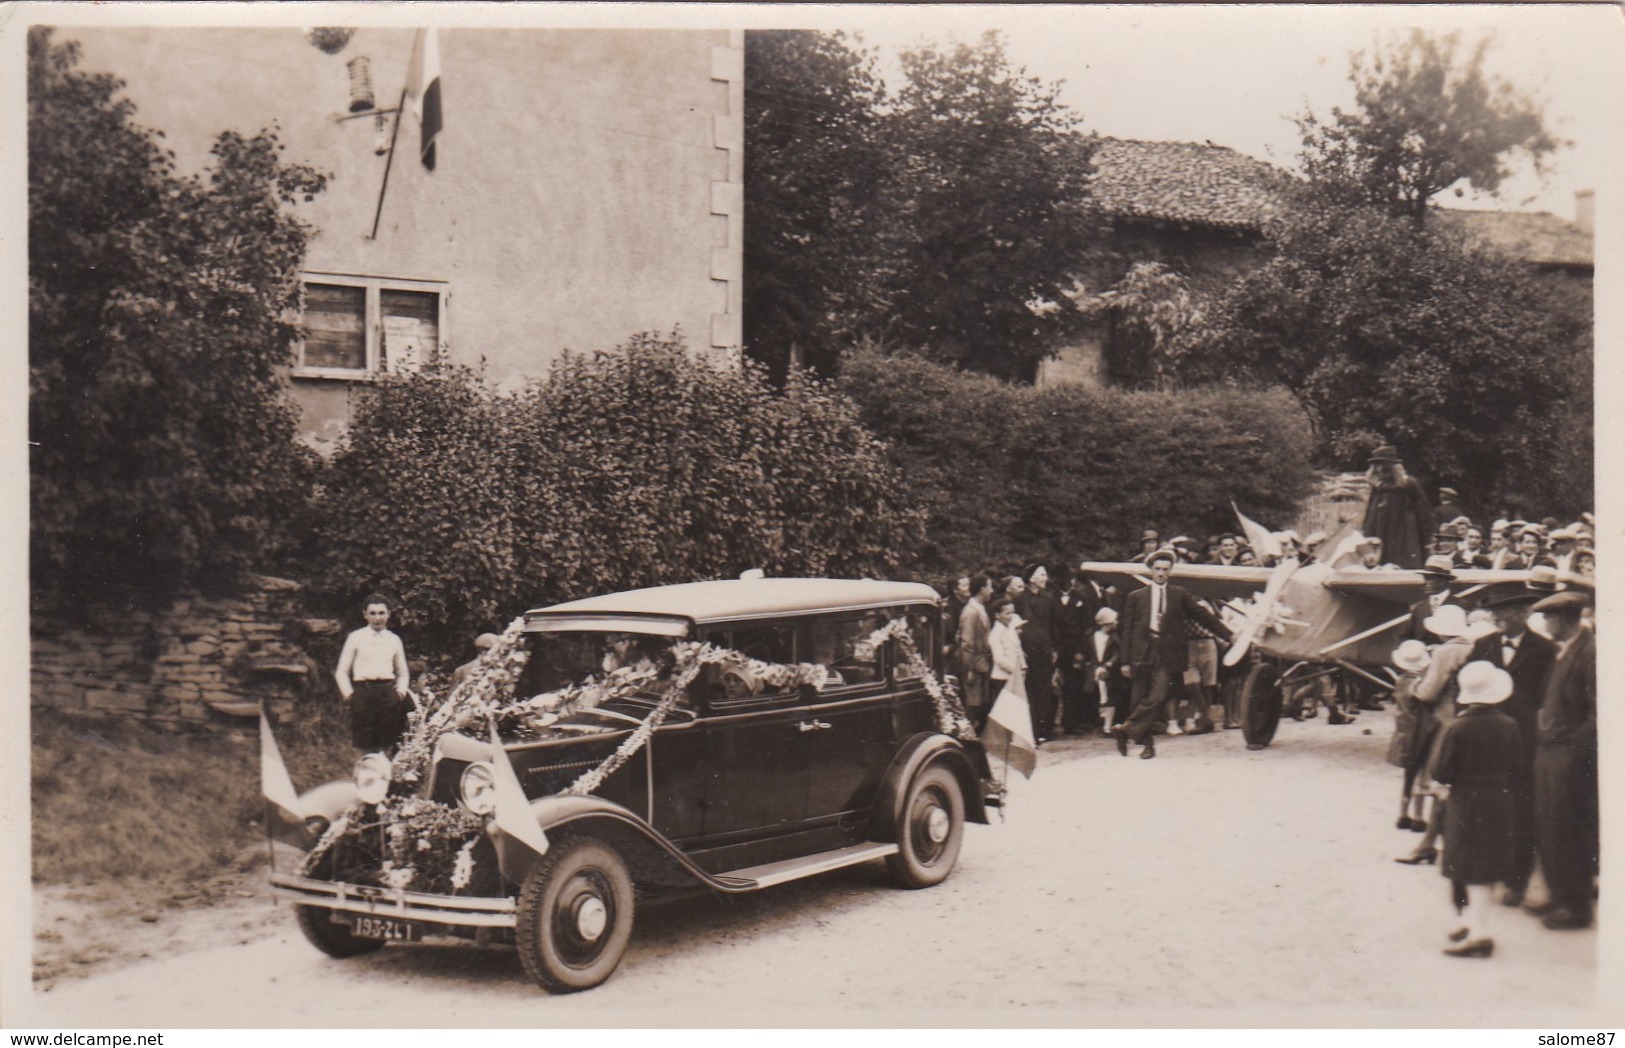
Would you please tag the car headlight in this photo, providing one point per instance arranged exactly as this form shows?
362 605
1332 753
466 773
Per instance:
372 775
479 788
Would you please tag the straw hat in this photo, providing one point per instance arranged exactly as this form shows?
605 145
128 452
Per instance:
1447 620
1482 684
1439 565
1412 656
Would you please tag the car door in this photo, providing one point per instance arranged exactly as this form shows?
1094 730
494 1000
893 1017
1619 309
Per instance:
852 741
756 741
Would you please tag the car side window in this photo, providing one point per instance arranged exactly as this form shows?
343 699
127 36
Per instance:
836 646
729 687
921 622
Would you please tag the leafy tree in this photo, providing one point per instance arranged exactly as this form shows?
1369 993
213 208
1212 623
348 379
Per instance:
1427 117
949 218
988 211
814 163
1392 332
162 448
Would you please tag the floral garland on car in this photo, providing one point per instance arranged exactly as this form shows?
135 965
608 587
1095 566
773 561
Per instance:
419 829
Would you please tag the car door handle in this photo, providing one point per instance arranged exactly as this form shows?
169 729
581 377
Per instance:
816 725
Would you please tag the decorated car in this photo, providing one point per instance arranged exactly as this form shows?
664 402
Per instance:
733 735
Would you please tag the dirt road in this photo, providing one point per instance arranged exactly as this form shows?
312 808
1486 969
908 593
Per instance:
1210 887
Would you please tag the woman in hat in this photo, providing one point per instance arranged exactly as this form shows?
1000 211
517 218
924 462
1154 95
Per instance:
1413 725
1477 759
1437 690
1398 510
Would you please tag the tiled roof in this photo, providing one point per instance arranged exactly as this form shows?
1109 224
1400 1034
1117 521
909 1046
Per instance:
1534 236
1187 182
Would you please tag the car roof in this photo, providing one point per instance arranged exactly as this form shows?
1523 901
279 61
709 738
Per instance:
747 598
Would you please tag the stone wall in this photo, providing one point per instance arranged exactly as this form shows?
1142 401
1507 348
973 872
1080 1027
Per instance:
203 663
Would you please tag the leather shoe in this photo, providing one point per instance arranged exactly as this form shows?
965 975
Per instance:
1404 822
1512 897
1458 935
1562 920
1201 729
1540 909
1149 752
1475 948
1122 742
1420 856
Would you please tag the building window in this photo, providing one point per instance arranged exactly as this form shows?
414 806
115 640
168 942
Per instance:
360 327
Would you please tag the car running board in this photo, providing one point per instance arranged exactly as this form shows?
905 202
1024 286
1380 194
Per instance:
769 874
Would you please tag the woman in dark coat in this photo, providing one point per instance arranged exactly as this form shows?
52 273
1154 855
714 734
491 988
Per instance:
1478 758
1398 511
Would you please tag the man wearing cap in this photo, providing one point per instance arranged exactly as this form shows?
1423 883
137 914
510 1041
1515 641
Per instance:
1566 766
1470 552
483 643
1398 511
1564 541
1155 651
1447 510
1531 549
1150 542
1527 658
1436 578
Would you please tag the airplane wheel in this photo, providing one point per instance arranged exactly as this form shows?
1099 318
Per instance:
1261 704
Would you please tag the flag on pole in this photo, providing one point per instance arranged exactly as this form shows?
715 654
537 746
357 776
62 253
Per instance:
1008 735
1260 538
274 781
513 815
423 89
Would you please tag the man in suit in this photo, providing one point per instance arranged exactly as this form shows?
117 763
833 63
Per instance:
975 654
1527 658
1037 610
1437 574
1155 651
1566 766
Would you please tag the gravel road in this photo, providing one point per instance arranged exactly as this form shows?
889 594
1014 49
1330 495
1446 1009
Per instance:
1211 887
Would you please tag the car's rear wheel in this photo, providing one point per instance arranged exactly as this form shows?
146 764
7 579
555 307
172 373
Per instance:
931 830
335 940
575 915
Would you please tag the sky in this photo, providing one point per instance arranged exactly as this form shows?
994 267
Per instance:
1235 75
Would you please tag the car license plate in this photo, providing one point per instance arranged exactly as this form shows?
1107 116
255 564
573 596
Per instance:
364 926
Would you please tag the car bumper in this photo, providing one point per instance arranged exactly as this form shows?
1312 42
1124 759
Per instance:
458 910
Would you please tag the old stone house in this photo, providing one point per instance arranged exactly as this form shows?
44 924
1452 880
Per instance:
1201 210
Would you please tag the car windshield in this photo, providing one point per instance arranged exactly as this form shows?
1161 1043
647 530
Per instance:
558 660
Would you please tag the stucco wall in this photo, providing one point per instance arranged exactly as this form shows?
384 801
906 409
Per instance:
583 192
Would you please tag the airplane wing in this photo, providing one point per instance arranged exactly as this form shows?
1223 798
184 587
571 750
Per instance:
1405 587
1212 581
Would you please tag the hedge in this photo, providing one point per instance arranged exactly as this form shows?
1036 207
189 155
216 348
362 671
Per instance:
1008 474
637 467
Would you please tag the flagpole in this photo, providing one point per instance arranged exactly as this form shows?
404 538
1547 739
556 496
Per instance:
400 110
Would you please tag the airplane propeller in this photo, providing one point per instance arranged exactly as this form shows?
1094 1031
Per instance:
1263 613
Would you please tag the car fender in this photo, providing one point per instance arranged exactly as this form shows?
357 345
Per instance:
918 753
648 853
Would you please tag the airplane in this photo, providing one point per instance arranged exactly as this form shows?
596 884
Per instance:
1298 623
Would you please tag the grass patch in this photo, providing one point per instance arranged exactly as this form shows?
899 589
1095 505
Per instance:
116 800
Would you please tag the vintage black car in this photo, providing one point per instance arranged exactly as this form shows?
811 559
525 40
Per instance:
744 784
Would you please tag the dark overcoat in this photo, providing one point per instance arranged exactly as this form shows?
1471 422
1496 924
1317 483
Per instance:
1478 759
1403 519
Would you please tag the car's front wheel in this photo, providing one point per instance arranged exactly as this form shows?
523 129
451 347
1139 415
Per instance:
930 831
575 915
333 939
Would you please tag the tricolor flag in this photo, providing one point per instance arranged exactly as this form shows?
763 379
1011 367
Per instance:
513 815
1008 735
1260 538
423 88
274 781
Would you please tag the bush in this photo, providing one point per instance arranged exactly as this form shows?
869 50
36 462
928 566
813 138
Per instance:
639 467
1007 474
159 308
